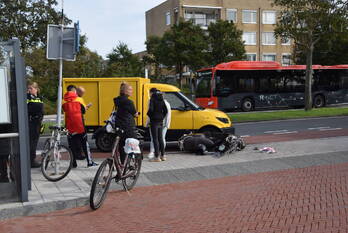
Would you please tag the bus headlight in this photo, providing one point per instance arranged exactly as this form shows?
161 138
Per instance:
223 119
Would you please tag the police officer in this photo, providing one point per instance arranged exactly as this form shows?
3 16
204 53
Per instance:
35 113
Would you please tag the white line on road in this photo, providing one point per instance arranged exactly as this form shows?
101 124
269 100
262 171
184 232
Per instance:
286 132
245 136
330 129
324 127
276 131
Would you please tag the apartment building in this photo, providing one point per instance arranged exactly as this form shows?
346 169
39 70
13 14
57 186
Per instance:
256 18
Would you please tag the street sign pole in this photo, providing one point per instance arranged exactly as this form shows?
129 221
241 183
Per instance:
60 89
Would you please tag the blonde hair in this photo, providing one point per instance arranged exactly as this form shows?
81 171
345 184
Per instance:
35 85
123 88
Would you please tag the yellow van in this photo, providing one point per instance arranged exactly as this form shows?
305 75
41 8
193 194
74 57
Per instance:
186 115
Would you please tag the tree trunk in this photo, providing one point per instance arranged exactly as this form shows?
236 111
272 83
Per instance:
309 77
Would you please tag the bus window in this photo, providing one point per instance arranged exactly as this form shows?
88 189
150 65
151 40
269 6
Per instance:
203 85
224 83
344 79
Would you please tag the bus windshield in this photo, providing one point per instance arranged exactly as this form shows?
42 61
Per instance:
203 84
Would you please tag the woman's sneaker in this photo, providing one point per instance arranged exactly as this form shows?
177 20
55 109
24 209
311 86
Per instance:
155 159
163 158
151 155
92 164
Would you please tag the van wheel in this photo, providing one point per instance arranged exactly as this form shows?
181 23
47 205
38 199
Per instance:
104 141
209 131
247 105
319 101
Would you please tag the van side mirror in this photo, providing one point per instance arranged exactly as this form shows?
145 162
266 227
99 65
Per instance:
186 108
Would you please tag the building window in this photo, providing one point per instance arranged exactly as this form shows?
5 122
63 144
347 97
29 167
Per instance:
285 41
249 16
168 18
269 57
231 15
268 38
249 38
286 59
201 18
269 17
251 56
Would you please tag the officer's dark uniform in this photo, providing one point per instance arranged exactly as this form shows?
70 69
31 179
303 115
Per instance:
35 113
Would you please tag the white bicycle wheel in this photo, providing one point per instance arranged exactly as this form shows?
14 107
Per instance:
56 163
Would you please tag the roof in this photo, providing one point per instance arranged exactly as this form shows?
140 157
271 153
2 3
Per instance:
265 65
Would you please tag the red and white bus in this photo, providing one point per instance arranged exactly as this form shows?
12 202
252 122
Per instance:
249 85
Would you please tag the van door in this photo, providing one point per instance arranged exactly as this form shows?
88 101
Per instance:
182 116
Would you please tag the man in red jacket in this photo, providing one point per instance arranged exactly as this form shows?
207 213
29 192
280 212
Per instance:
74 123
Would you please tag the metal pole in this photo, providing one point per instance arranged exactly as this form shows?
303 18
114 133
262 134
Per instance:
146 73
59 101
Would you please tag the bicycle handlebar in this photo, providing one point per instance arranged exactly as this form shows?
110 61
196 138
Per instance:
54 127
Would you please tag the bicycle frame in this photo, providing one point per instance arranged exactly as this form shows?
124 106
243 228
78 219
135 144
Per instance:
117 165
54 143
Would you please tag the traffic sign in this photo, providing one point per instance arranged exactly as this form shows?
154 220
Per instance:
61 44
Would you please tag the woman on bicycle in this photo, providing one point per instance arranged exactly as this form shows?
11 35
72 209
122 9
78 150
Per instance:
125 113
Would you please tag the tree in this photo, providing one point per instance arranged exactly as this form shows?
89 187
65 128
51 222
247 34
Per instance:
225 42
183 45
123 63
88 64
153 54
306 21
27 20
327 51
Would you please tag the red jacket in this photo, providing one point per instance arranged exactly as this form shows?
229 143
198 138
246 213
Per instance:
73 113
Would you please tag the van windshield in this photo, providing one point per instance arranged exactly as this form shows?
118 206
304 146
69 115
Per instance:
178 101
190 102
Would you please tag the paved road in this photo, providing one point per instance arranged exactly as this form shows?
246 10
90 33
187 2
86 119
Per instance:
312 199
292 126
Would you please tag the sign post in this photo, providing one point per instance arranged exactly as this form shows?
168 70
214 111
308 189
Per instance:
62 44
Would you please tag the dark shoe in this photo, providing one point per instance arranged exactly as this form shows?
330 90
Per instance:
35 164
92 164
74 165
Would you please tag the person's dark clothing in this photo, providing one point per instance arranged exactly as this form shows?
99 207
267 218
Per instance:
76 142
35 114
157 112
125 112
157 109
157 136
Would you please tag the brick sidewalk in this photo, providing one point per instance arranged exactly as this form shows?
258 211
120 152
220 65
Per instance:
312 199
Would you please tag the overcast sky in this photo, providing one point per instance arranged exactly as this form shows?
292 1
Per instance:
105 22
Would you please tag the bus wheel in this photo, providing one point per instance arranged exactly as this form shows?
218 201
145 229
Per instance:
318 101
247 105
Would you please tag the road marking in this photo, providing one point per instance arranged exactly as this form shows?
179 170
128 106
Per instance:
330 129
276 131
324 127
286 132
245 136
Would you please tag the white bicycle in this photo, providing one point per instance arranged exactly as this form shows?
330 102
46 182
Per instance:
56 158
